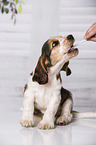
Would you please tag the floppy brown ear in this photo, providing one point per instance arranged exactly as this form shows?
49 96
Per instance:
66 68
43 66
40 74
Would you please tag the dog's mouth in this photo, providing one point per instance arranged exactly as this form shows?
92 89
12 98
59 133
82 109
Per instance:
72 49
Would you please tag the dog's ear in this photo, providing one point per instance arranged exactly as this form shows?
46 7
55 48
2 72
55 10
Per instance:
66 68
46 51
40 74
43 66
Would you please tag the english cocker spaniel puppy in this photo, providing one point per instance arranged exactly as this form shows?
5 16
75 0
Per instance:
44 93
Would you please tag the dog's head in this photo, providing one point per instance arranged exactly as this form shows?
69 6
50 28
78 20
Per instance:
55 56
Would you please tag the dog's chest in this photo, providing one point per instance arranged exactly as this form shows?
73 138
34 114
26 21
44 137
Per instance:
43 96
45 93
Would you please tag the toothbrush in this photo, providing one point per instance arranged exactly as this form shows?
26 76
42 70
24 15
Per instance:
82 41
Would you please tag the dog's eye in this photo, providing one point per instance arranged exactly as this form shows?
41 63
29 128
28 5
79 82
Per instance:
55 43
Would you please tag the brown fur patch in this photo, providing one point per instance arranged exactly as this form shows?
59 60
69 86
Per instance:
31 74
38 112
58 77
25 87
66 69
65 94
51 41
43 65
40 74
51 52
42 61
46 49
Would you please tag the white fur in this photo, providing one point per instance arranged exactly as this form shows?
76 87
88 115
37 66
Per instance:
46 98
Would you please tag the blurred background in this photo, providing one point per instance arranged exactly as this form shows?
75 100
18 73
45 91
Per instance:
20 48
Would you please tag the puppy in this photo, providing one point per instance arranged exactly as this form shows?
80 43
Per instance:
44 93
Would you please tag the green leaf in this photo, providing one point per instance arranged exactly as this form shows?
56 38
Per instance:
6 10
12 4
16 1
20 9
5 2
12 16
22 2
2 10
14 21
16 11
12 9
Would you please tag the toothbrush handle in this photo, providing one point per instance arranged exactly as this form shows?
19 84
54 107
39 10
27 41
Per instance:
82 41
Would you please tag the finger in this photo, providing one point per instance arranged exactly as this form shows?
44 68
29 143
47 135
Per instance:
93 39
90 29
90 34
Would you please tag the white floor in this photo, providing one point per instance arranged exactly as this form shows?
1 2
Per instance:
79 132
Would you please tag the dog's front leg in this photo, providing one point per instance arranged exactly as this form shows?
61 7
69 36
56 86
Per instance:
28 109
49 116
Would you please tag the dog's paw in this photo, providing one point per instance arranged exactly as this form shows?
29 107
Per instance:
27 122
46 125
64 120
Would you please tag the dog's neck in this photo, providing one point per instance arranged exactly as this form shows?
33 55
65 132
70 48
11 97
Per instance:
56 69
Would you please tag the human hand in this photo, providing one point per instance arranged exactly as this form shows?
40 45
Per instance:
91 33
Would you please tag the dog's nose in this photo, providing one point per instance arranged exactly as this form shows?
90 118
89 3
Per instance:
70 37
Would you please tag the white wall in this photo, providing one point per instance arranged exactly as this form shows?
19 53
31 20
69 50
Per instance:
20 45
76 16
15 45
45 24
